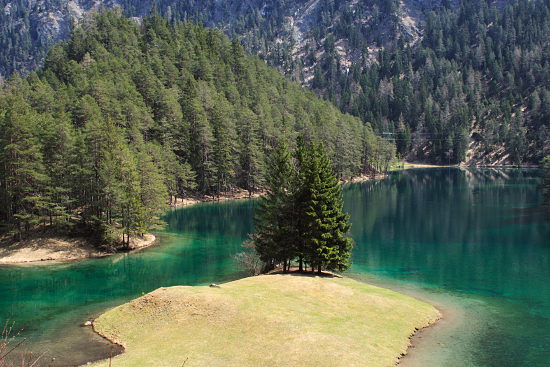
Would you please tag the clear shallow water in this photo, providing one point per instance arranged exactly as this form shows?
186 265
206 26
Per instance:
472 242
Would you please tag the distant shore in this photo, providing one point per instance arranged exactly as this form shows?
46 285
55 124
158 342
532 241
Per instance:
410 165
48 249
237 194
240 194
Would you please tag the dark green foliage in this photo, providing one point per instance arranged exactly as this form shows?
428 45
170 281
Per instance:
274 213
23 174
480 74
123 118
301 218
326 244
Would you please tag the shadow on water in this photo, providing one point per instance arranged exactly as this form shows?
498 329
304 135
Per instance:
468 240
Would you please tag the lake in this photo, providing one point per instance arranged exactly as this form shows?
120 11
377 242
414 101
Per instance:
472 241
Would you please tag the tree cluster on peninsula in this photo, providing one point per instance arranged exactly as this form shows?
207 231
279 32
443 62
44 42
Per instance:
124 117
301 218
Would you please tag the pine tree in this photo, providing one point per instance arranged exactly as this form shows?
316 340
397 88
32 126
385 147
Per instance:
225 144
57 150
24 179
251 155
301 215
120 186
273 240
200 139
327 245
152 190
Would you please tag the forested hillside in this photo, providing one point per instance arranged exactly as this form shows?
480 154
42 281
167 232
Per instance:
475 88
123 117
448 81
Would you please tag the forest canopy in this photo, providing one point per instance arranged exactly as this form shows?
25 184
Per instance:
124 117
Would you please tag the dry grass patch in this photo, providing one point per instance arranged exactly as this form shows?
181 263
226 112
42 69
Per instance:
270 320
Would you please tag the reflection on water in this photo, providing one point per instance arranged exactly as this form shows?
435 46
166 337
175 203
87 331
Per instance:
470 241
473 238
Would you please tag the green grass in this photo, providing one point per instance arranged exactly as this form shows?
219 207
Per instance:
270 320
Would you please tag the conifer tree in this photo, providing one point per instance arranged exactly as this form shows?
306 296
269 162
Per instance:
301 216
200 139
152 190
272 239
23 174
251 155
225 144
57 147
327 245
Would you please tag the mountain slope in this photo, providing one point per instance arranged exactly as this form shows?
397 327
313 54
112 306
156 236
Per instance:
448 81
283 32
123 117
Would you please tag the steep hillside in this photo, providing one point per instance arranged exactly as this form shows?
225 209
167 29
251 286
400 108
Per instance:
286 33
448 81
123 117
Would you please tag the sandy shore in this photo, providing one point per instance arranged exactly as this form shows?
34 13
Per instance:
237 194
410 165
59 249
364 178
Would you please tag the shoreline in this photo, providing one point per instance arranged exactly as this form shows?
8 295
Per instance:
412 165
418 331
58 249
236 194
423 333
42 250
241 194
433 337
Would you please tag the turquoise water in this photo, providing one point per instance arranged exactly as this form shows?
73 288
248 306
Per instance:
473 242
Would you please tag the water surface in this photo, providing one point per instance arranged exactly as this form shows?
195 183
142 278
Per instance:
473 242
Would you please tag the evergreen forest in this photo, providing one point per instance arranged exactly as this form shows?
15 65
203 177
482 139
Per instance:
124 117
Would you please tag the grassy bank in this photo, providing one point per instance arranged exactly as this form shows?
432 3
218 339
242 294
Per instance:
269 320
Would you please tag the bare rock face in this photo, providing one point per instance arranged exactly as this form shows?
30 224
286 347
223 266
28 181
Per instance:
286 32
29 28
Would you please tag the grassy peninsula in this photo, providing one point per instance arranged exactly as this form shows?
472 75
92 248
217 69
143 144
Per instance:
268 320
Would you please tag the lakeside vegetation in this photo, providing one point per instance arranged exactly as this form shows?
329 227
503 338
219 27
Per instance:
125 117
301 216
268 320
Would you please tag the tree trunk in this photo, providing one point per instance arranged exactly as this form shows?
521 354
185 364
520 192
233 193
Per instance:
319 269
301 266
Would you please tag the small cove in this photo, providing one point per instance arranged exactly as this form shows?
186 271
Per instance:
471 241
